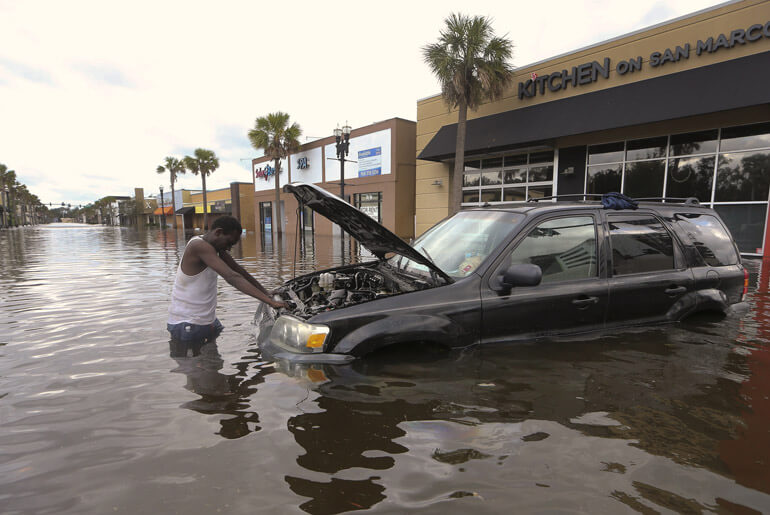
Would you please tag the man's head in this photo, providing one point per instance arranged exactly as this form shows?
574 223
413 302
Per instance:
224 233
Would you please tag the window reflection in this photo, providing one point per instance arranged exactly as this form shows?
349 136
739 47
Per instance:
639 245
564 249
649 148
703 142
746 223
743 176
745 137
644 179
603 179
690 177
608 153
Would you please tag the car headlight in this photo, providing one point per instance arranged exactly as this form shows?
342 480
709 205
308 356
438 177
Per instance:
297 335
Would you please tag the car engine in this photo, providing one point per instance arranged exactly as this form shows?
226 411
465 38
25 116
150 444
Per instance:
324 291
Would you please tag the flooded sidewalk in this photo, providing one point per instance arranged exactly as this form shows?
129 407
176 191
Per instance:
100 414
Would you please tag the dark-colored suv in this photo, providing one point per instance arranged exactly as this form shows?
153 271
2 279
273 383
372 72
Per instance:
541 270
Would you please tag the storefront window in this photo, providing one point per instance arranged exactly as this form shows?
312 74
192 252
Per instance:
491 178
532 175
370 204
608 153
703 142
651 148
685 165
603 179
743 176
471 179
745 137
644 179
690 177
515 175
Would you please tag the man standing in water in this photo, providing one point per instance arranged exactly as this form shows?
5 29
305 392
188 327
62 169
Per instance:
191 316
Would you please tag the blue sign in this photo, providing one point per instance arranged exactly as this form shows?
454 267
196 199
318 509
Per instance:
370 162
370 172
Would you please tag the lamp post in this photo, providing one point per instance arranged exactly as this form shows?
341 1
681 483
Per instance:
342 136
162 208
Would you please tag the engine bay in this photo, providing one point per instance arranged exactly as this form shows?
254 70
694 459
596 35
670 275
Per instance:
314 293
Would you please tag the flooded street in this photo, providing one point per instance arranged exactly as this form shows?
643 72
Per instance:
96 416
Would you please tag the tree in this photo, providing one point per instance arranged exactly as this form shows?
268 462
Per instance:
273 135
174 167
471 64
204 162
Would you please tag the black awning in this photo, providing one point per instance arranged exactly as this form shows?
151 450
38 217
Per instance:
185 210
732 84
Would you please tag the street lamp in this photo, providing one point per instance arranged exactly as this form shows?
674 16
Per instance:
342 136
162 207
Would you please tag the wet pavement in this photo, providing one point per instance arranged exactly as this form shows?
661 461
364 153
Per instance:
98 414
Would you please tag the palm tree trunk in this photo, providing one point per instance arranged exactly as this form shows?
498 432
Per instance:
173 204
457 176
277 207
205 204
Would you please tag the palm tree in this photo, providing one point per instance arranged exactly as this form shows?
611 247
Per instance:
471 64
174 167
273 135
204 162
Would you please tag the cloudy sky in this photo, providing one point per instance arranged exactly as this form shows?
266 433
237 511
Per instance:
94 94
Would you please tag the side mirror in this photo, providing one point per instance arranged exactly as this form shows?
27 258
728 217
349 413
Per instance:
518 275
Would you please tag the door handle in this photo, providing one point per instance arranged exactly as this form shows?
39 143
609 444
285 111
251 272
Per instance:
673 290
583 302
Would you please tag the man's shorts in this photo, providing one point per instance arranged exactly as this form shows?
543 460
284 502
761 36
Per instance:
191 333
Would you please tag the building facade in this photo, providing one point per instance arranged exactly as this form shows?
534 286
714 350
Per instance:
379 175
680 109
235 200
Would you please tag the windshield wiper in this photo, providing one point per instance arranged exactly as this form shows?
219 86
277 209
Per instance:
433 274
428 256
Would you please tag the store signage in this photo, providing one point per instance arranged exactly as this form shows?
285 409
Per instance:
370 162
264 172
303 163
588 73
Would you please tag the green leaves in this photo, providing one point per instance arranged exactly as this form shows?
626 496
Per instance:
202 161
274 135
173 166
470 62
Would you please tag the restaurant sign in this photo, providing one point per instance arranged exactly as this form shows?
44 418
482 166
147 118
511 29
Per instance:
588 73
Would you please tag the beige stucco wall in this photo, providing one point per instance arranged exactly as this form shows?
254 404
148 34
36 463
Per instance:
432 112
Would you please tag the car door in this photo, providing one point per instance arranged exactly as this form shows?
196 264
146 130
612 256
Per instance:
572 296
648 273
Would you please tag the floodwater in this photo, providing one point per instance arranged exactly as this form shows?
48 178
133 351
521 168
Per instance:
97 417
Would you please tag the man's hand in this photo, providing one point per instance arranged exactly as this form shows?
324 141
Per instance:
277 304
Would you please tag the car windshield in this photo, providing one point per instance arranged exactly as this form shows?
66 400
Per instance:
458 245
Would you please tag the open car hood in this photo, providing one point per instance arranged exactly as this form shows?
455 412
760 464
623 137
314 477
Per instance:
376 238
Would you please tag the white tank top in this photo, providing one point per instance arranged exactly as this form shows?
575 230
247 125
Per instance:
194 297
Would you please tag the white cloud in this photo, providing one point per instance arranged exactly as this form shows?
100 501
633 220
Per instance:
94 94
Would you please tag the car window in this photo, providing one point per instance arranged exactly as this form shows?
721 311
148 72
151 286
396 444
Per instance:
458 245
709 236
640 243
563 248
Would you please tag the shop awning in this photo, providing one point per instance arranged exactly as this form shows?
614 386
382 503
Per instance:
185 210
167 210
718 87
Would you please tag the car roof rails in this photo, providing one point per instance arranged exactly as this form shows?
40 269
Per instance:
689 201
581 196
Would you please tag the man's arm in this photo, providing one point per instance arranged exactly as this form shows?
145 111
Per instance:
209 256
233 264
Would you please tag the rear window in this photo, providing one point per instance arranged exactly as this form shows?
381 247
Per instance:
710 237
